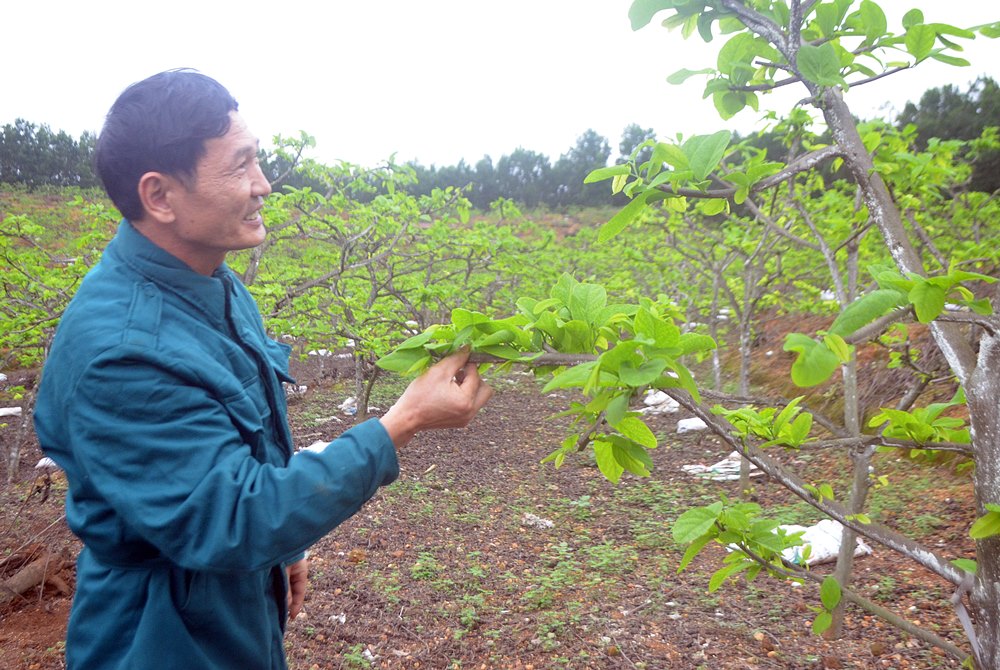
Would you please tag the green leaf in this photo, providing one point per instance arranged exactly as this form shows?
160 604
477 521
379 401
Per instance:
946 29
684 74
983 306
990 30
912 18
713 206
786 414
463 318
572 377
645 374
928 300
987 525
705 151
600 174
838 346
403 360
815 362
671 154
695 522
693 550
636 430
951 60
685 380
966 564
865 310
417 341
606 461
631 456
800 428
690 343
503 336
820 64
617 408
586 302
827 18
873 19
729 103
822 621
829 593
622 219
642 11
662 333
720 576
919 40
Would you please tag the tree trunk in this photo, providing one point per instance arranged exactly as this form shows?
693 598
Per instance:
20 437
366 394
745 391
983 393
861 458
981 381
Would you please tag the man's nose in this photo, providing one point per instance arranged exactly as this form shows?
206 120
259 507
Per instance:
261 186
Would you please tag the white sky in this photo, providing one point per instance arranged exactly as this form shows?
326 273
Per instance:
435 81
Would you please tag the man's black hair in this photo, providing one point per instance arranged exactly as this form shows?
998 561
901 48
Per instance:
159 124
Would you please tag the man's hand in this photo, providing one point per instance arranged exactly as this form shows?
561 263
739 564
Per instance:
448 395
298 578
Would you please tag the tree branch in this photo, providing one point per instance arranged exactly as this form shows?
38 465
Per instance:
792 570
875 532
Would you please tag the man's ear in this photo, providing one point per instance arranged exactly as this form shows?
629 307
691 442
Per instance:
154 193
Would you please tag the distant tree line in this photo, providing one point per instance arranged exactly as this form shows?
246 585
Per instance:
34 155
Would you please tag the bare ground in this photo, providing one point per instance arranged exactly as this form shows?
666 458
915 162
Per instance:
449 568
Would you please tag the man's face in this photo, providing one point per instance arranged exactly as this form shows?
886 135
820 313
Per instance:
219 209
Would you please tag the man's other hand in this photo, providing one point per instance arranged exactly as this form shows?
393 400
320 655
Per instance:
298 578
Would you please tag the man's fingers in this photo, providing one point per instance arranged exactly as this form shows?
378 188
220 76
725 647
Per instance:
451 365
483 395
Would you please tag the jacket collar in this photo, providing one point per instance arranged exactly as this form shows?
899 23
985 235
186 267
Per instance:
207 294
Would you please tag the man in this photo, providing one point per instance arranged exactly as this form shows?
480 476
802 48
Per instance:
162 400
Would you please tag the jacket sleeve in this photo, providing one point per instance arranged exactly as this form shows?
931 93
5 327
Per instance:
164 453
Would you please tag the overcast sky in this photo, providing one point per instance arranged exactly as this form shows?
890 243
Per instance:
434 81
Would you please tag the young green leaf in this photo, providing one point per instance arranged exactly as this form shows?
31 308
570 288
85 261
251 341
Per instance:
928 300
820 64
636 430
695 522
866 309
720 576
829 592
684 74
815 362
693 550
606 461
919 40
966 564
600 174
404 360
987 525
705 151
622 219
822 621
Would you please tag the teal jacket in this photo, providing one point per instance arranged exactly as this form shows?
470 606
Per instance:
162 401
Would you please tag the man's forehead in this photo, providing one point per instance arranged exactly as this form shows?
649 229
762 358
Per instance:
237 141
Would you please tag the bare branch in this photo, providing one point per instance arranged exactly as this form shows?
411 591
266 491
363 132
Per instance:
792 570
758 23
801 164
989 325
875 532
